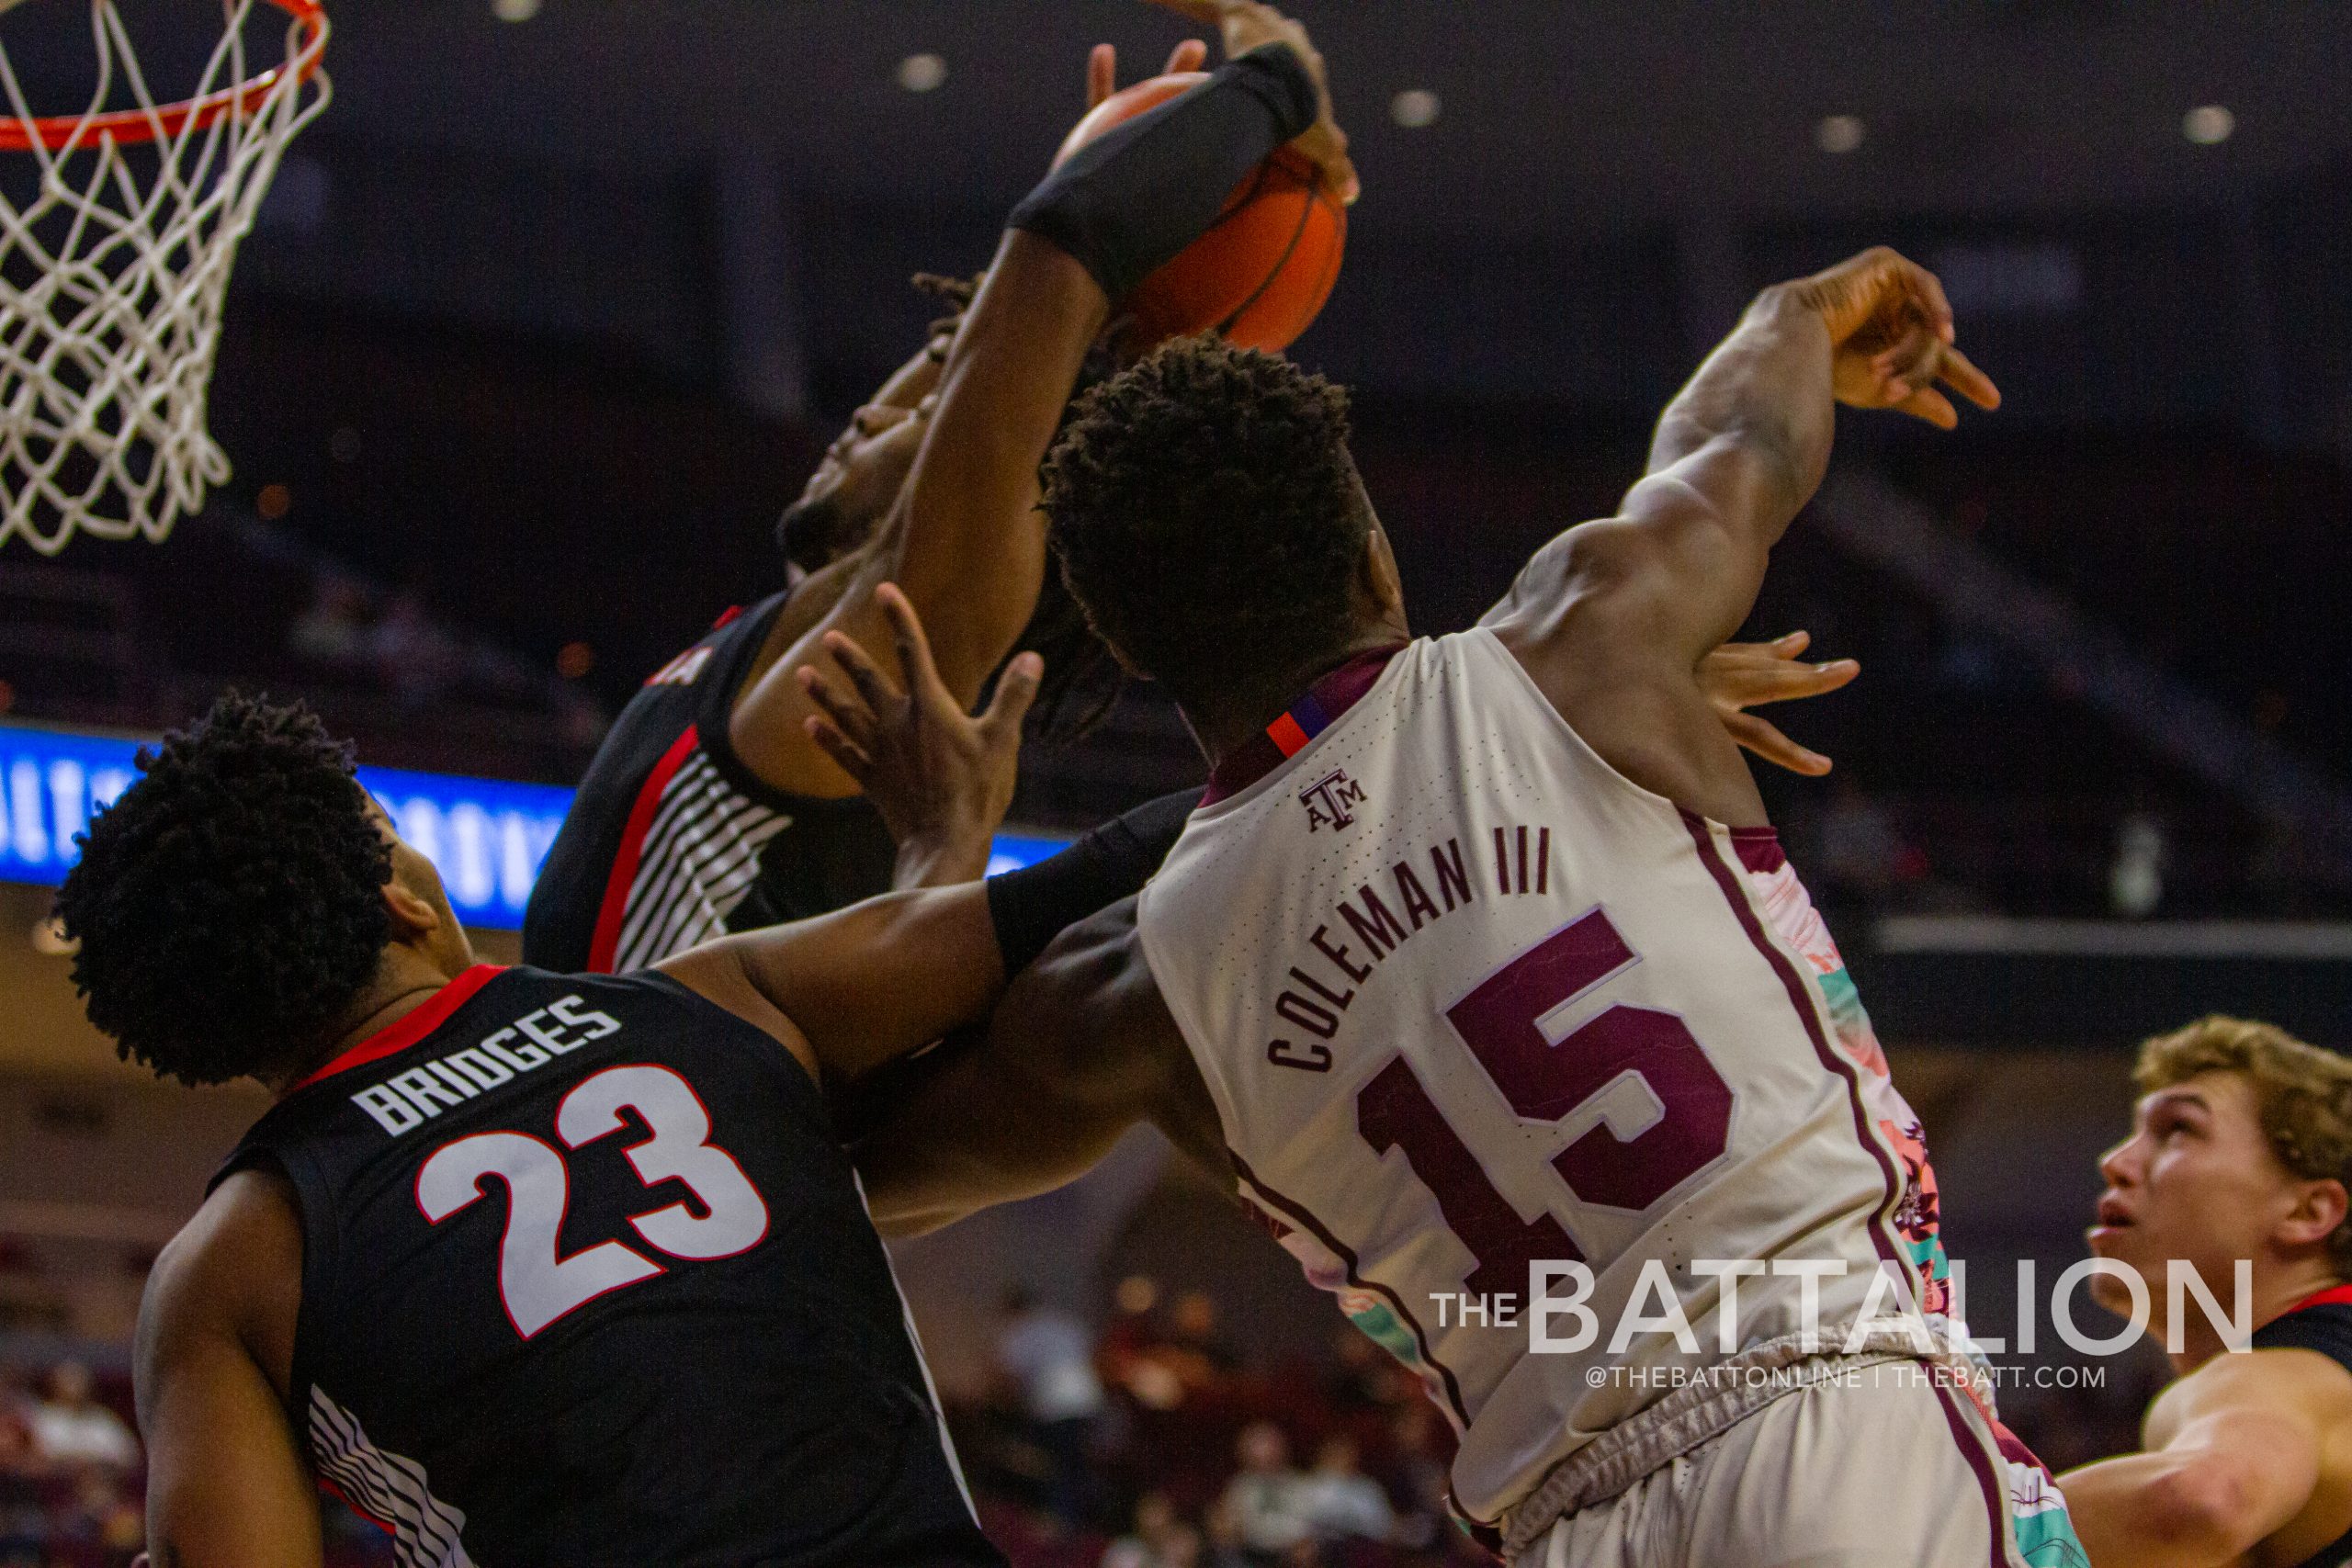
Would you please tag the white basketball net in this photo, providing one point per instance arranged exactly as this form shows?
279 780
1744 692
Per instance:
112 279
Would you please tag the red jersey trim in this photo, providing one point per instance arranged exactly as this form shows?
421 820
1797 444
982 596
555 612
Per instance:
614 908
411 1026
2334 1295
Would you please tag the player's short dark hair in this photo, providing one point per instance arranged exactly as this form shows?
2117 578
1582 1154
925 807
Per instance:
1205 511
229 905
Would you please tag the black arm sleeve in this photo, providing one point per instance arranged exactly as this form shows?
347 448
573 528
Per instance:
1130 199
1034 906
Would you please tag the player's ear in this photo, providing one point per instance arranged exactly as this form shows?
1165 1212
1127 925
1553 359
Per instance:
2321 1208
412 916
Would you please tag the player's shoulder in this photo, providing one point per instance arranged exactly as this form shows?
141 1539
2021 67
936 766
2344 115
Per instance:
2311 1349
2312 1373
233 1272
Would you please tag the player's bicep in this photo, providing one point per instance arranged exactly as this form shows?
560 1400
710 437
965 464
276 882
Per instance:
227 1483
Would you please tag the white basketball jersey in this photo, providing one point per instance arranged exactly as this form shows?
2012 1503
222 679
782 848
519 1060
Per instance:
1469 1000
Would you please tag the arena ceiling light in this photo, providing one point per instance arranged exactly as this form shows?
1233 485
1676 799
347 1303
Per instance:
922 72
514 10
2208 125
1840 133
1415 108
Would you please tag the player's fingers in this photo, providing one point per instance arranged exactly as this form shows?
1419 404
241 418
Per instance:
1101 73
850 714
1326 146
851 759
1912 362
1930 289
1794 680
1766 741
1190 55
879 692
1932 406
1969 381
1747 683
914 648
1016 693
1786 645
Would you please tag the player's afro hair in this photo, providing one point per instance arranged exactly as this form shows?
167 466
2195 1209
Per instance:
229 905
1205 508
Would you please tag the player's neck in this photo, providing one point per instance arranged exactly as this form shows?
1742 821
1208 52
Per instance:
1223 725
406 978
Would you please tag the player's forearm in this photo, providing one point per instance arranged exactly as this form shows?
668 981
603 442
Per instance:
943 860
1737 455
2161 1510
969 545
1766 393
871 982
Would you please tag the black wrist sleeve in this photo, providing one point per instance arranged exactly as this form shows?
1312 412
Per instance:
1034 906
1127 201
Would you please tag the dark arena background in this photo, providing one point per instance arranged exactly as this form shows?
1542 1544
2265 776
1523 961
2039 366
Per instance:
553 309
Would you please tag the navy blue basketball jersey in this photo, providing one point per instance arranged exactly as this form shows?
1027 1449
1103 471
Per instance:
672 840
586 1280
2321 1323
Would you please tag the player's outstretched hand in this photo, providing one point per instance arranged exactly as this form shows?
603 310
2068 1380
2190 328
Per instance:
1245 25
1891 331
942 779
1741 675
1103 68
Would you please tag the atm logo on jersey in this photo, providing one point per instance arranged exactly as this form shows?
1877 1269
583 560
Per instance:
1330 801
408 1100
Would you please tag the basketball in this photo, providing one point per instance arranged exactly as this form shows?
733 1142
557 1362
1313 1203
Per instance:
1262 275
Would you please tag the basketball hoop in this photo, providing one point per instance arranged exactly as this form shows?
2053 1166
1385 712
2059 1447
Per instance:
113 273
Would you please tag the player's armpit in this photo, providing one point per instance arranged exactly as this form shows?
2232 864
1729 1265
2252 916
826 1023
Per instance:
1081 1049
227 1483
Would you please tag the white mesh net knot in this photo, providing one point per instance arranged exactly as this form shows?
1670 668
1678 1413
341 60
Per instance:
114 270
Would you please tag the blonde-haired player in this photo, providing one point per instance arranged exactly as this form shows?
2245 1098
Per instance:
2240 1152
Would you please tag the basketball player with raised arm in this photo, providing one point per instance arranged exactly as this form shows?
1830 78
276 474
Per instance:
2240 1150
530 1269
707 808
1480 957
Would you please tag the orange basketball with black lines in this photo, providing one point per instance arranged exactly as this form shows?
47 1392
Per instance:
1261 274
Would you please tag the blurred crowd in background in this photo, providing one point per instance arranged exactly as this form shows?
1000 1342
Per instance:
1153 1433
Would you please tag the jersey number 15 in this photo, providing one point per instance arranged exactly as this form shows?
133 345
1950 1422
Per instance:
1501 1023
